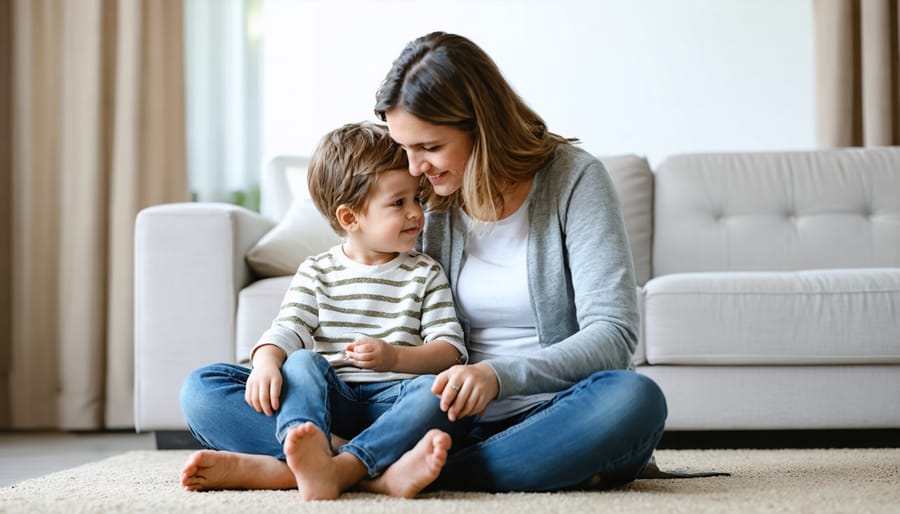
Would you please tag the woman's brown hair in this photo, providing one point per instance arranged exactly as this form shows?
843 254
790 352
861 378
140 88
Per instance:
446 79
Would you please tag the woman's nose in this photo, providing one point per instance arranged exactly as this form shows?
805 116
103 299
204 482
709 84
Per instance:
417 165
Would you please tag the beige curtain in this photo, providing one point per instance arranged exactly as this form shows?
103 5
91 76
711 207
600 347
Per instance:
97 131
857 72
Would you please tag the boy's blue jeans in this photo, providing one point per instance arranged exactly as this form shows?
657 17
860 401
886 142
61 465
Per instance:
607 425
382 420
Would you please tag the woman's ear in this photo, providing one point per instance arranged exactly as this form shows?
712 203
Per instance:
346 217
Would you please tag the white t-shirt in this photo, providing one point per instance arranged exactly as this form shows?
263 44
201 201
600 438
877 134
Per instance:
493 294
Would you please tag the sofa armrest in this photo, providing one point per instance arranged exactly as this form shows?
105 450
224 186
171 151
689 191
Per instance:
189 269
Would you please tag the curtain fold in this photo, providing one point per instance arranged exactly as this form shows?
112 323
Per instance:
857 72
6 163
98 134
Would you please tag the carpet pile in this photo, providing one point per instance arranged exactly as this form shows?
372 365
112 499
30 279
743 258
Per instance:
815 481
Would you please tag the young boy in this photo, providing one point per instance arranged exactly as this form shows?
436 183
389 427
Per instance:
361 326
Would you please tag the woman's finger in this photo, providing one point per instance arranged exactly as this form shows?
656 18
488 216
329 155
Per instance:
448 396
440 382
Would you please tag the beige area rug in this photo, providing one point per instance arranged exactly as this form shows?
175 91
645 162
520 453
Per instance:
814 481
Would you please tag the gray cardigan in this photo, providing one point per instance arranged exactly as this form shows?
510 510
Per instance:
580 275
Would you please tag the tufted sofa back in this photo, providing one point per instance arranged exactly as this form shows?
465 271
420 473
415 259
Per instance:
777 211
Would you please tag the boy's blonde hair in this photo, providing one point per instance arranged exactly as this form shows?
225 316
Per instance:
346 164
446 79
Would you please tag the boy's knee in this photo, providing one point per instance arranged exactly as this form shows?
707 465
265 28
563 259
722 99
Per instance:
193 391
419 389
421 384
305 359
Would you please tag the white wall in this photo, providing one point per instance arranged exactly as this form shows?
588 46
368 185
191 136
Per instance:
651 77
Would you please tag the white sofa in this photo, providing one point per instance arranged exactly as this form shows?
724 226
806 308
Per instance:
769 286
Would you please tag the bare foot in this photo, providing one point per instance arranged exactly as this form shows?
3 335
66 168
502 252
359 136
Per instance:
318 474
209 469
415 470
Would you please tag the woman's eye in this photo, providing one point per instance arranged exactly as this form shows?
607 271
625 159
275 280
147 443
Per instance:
431 148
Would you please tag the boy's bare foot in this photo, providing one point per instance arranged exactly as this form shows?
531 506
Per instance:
209 469
415 470
319 475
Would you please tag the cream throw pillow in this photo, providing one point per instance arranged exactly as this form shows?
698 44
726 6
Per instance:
302 232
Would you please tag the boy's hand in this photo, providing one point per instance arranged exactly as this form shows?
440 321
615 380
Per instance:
369 353
263 390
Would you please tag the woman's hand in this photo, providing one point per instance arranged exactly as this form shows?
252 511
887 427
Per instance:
466 390
375 354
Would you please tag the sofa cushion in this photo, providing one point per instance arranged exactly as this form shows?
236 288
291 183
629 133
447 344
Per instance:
756 318
777 211
258 306
634 184
302 232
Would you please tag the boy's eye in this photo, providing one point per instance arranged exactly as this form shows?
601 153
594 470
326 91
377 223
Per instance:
398 202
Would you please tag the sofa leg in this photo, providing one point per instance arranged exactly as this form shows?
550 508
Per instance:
176 440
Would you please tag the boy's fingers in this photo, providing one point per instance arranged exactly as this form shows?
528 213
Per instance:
252 399
263 401
274 394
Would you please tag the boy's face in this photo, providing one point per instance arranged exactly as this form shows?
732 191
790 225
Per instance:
391 221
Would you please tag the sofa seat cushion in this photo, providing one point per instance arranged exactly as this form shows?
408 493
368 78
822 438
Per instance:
815 317
258 305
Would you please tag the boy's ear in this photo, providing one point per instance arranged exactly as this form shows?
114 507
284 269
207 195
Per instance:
346 217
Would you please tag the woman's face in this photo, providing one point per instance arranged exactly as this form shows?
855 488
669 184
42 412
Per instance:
439 152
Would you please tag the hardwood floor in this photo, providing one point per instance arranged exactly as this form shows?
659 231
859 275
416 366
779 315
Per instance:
25 455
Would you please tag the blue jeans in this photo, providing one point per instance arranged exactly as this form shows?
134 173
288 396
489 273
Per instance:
382 420
607 424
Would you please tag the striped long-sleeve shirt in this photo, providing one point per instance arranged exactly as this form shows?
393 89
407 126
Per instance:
333 301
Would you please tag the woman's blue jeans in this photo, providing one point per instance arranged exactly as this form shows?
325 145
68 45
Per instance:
606 425
382 420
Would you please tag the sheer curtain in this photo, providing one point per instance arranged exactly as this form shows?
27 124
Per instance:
95 92
223 52
857 72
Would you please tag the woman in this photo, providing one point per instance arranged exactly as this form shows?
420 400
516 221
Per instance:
529 230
